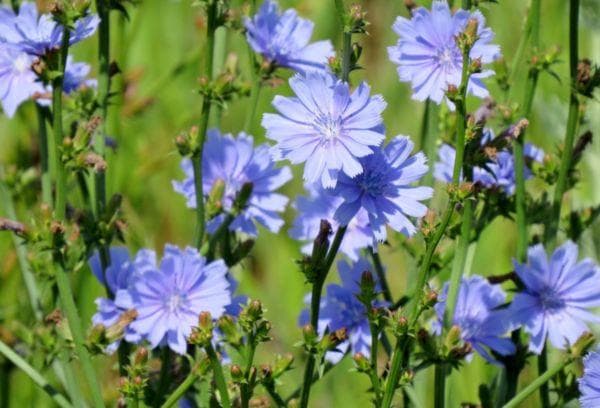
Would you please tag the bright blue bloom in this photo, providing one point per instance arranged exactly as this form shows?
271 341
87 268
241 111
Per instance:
235 161
321 204
428 56
18 82
36 34
589 383
326 126
476 314
283 39
118 279
558 295
384 190
170 297
340 309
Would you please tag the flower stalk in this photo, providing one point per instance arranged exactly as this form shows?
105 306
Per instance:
219 376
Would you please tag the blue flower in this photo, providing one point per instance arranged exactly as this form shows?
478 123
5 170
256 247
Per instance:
118 279
76 76
326 126
476 314
18 82
589 383
170 297
443 169
321 204
235 161
428 56
283 39
37 34
384 190
340 309
557 296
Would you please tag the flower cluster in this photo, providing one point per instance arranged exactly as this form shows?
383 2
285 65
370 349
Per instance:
428 54
25 38
497 173
167 296
235 162
283 39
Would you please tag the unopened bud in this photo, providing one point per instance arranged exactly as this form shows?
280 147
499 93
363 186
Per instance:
266 371
205 320
236 372
141 356
362 363
453 337
309 334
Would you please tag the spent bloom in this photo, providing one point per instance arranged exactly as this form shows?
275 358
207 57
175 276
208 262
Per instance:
385 191
476 314
36 34
557 296
428 56
118 279
341 309
321 204
326 126
283 39
235 162
171 296
589 383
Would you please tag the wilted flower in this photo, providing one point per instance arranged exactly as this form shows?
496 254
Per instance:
37 34
321 204
283 39
235 162
428 55
589 383
557 296
384 190
326 126
340 309
171 296
477 317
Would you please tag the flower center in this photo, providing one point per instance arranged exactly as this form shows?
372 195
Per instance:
22 64
328 127
174 302
372 182
550 301
448 57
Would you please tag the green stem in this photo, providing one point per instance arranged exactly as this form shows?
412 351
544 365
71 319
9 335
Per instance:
542 368
247 387
346 55
204 116
42 113
374 371
254 98
35 376
219 377
315 378
218 61
398 363
537 383
165 374
439 390
466 4
572 127
278 399
385 287
180 391
315 303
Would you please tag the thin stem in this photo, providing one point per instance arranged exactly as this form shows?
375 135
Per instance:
315 378
165 373
254 98
278 399
247 387
315 303
42 113
542 368
374 372
439 390
219 377
398 363
537 383
204 116
180 391
218 61
385 287
346 55
466 4
35 376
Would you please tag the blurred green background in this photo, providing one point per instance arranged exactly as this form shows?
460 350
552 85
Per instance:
158 50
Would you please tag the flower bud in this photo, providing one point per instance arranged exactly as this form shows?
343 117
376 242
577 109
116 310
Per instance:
236 373
309 334
363 364
140 357
254 310
241 200
453 338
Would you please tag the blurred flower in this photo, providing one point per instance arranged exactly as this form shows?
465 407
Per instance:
76 77
18 82
428 55
118 278
475 314
340 309
170 297
557 296
235 162
36 34
443 169
325 126
589 383
283 39
321 205
384 190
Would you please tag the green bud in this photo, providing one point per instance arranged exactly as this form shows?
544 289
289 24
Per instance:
140 357
453 338
237 374
582 345
362 363
309 334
